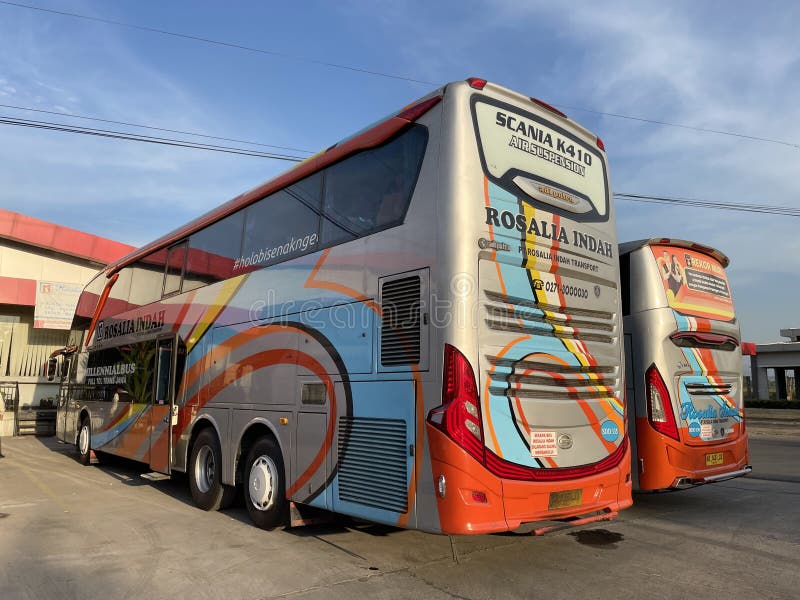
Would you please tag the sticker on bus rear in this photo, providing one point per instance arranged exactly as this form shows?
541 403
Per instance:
609 430
543 443
695 283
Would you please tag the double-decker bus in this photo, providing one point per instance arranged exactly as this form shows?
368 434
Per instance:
684 361
419 326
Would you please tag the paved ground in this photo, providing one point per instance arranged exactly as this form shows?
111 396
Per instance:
68 531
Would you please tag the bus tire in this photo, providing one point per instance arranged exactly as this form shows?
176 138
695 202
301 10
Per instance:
84 441
205 472
264 484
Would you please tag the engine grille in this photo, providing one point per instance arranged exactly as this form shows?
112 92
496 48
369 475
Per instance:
373 465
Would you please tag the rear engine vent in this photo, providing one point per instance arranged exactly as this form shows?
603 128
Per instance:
400 321
373 467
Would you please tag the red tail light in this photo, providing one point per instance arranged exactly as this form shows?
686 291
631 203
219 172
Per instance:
601 145
659 405
415 111
547 106
459 416
744 420
508 470
477 83
698 339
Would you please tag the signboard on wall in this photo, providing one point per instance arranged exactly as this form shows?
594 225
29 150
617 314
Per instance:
55 304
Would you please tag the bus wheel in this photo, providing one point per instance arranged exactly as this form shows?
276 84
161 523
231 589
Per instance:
265 495
84 443
205 472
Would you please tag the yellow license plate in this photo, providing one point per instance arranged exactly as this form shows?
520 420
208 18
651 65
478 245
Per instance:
565 499
714 458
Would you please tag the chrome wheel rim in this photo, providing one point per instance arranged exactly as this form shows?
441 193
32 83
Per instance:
204 469
83 440
262 482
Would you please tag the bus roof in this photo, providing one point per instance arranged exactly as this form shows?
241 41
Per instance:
370 137
628 247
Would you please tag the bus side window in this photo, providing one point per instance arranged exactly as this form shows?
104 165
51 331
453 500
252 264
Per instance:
163 373
173 274
371 190
282 226
625 283
213 252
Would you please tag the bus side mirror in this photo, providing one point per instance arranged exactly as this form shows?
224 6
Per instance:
52 367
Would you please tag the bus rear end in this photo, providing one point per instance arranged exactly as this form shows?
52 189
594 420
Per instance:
685 389
531 426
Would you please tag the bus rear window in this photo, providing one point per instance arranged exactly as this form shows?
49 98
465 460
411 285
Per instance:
530 156
695 284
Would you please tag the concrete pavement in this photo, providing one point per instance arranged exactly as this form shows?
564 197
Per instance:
68 531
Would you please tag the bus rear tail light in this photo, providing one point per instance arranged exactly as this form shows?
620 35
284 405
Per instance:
479 497
508 470
744 419
601 145
697 339
415 111
459 416
659 407
549 107
476 83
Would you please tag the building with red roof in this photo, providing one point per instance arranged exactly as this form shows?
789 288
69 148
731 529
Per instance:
43 266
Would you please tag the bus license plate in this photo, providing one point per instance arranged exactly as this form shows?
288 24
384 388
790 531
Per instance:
565 499
714 458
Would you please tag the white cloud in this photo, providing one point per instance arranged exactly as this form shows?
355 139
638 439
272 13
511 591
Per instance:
706 65
723 66
128 191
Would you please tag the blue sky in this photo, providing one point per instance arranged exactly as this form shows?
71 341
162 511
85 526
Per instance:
718 65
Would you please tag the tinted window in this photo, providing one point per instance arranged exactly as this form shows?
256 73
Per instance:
213 252
174 271
371 190
625 277
164 375
147 279
122 374
281 226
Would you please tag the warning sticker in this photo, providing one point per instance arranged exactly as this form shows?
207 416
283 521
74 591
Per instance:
706 431
543 443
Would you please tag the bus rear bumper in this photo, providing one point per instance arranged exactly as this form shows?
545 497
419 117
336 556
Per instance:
665 463
476 501
687 482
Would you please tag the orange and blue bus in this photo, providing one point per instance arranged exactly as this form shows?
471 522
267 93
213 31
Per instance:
684 361
419 326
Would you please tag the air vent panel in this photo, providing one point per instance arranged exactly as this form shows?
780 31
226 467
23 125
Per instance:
400 321
373 468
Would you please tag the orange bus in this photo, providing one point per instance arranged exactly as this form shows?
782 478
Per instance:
684 365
